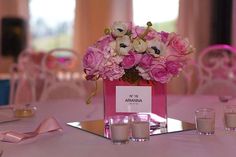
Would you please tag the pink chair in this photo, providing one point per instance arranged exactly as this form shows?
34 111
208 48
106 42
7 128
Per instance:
22 86
217 70
63 79
25 81
183 84
61 59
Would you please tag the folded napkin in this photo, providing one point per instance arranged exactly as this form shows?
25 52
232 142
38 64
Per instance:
47 125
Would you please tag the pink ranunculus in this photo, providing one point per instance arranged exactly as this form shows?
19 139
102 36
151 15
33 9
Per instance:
138 31
178 44
164 36
130 25
92 60
131 60
159 73
173 67
104 41
146 61
152 33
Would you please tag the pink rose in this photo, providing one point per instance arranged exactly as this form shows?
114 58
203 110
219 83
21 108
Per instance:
159 73
173 67
131 60
178 44
92 60
146 61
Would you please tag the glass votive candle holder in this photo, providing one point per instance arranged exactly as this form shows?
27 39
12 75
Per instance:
205 121
230 117
24 111
119 129
140 126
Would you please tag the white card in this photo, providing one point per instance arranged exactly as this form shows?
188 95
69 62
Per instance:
133 98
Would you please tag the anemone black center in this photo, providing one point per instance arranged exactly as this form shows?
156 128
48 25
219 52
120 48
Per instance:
123 45
156 50
120 30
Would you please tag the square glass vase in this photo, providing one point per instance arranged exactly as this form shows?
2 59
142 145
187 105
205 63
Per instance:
124 98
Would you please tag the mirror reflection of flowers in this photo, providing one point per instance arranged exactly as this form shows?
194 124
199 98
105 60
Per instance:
132 53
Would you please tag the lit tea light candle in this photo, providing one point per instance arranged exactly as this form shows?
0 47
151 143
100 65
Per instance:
206 125
230 120
120 133
23 113
140 131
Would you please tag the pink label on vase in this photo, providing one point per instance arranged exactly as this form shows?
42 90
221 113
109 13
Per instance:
133 99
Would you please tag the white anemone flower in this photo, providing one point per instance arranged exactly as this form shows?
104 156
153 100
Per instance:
119 29
156 47
123 45
139 45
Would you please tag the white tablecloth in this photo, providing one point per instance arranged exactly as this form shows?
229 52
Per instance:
76 143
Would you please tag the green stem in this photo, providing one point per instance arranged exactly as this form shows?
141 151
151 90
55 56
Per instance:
94 92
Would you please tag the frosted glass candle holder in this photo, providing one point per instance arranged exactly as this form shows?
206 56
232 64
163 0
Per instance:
205 121
119 129
230 117
140 126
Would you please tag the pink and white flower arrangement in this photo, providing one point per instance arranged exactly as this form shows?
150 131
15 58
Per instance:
132 53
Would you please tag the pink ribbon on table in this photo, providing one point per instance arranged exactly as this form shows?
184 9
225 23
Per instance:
48 125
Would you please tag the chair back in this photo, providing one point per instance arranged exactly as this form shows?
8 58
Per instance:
22 86
216 70
63 79
26 82
183 84
61 59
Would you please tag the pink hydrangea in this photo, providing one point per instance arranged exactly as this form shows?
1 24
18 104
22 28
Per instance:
112 72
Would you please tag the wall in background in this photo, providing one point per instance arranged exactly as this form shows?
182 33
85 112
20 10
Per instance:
11 8
234 24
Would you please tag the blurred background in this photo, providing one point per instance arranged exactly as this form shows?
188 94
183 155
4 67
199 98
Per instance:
46 24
